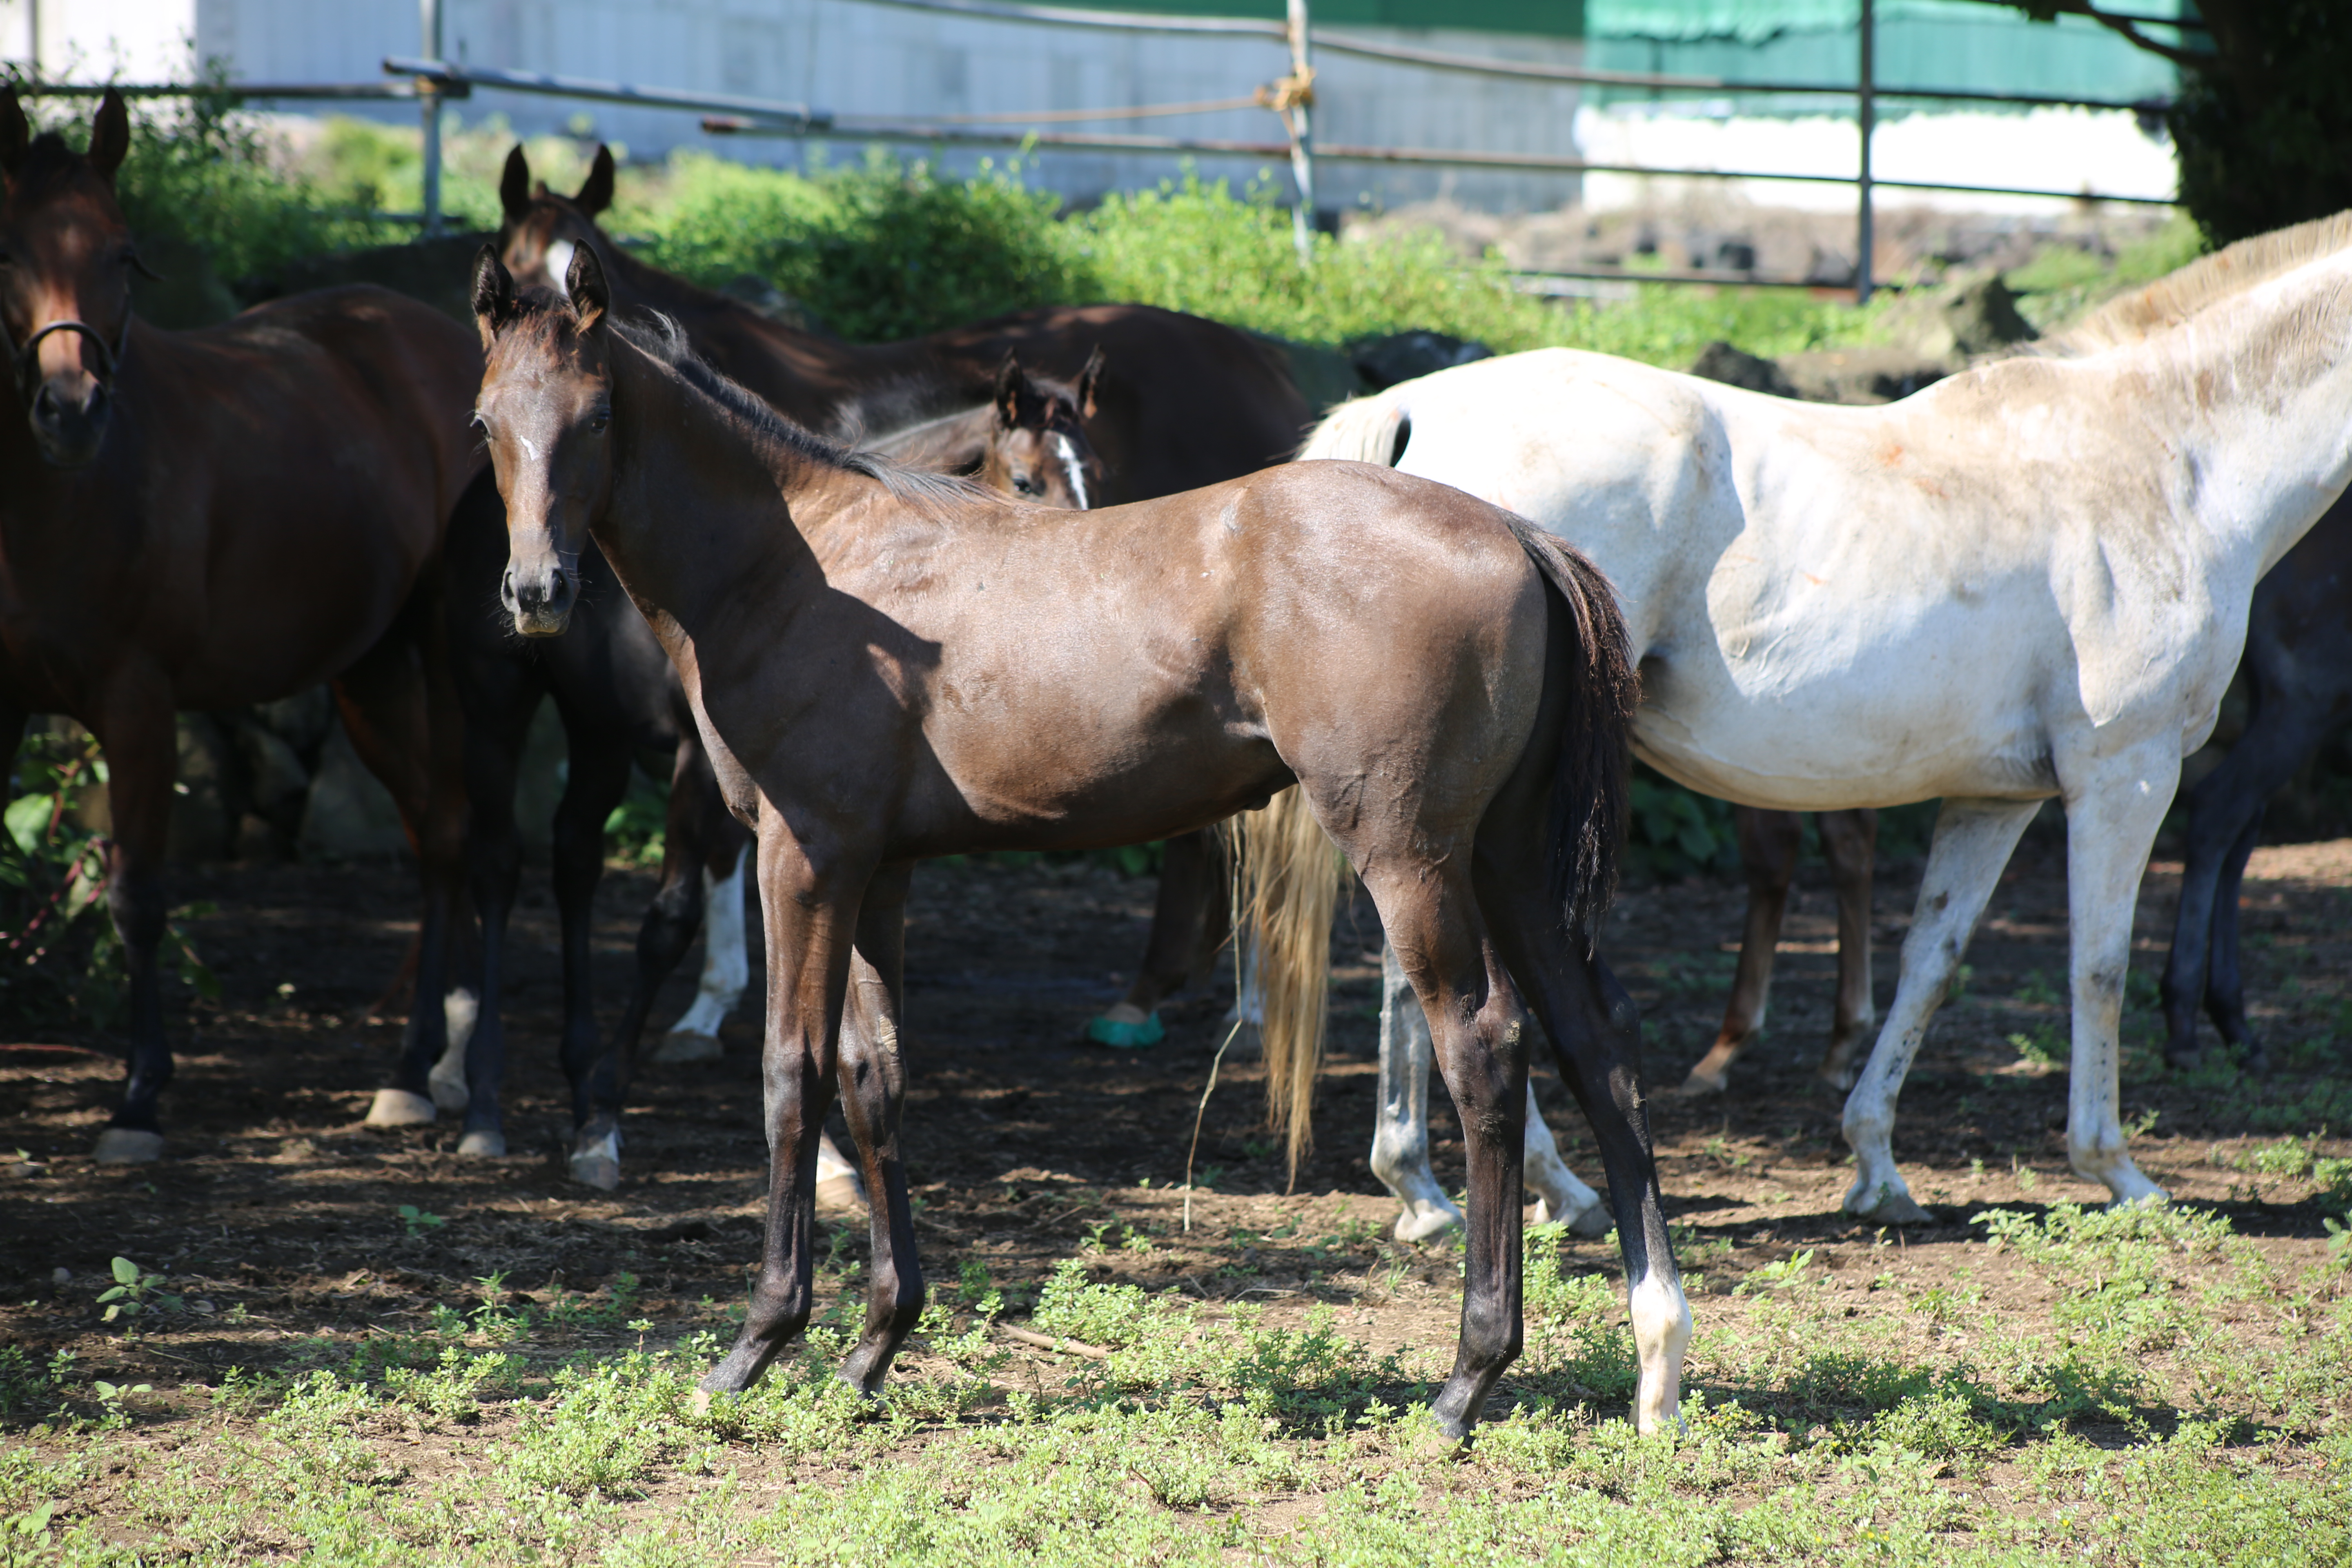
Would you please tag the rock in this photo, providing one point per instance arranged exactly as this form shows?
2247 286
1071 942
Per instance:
1876 374
204 804
187 293
437 271
349 813
1407 356
1737 367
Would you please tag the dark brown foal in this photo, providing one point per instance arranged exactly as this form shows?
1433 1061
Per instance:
210 519
889 666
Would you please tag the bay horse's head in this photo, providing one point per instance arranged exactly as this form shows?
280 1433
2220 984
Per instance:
546 411
66 261
1039 450
541 231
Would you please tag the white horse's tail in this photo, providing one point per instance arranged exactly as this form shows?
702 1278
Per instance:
1363 430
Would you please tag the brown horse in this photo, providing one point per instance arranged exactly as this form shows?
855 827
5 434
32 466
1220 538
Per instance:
889 666
1030 441
1196 401
209 518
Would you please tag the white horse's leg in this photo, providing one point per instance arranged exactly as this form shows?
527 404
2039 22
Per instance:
1401 1131
2110 824
1973 841
726 971
839 1189
460 1009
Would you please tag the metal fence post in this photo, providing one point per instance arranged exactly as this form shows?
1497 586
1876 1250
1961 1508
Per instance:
1299 95
1866 115
428 97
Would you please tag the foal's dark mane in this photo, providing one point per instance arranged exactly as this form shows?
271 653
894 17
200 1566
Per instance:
662 340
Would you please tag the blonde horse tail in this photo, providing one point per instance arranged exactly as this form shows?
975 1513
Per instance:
1287 882
1363 430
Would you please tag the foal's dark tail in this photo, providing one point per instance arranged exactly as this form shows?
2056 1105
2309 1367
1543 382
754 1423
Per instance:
1589 795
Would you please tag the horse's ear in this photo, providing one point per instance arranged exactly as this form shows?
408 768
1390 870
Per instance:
584 286
514 185
15 133
597 194
1010 380
109 135
494 293
1087 379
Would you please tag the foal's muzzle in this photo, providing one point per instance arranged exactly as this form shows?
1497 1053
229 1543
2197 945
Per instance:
69 411
540 597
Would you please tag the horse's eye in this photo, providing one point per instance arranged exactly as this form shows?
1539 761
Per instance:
1024 484
601 420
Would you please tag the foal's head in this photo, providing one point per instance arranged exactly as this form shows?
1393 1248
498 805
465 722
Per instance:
541 231
546 411
66 261
1039 448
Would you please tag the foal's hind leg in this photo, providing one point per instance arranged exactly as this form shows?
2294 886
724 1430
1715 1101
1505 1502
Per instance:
599 777
1401 1131
1187 926
872 1097
1769 842
1850 839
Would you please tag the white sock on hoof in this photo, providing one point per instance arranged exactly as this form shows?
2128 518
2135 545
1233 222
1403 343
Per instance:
128 1146
399 1108
1661 1332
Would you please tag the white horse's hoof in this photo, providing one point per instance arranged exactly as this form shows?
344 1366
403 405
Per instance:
399 1108
1423 1221
450 1091
1593 1222
682 1045
1891 1204
128 1146
841 1194
482 1143
597 1163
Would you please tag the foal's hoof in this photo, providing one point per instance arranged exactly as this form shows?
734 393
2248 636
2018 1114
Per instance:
450 1091
597 1163
399 1108
128 1146
1127 1028
1700 1084
681 1046
1592 1223
1426 1222
483 1143
1890 1206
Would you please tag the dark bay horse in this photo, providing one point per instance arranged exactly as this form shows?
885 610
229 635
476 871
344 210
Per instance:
889 666
2298 673
620 700
209 518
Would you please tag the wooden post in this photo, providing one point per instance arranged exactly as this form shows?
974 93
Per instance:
1299 99
1866 115
428 97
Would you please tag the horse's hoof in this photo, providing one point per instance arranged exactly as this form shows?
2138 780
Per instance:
1593 1224
681 1046
1127 1028
450 1091
1425 1222
1839 1078
841 1195
597 1163
128 1146
1893 1207
399 1108
1699 1084
483 1143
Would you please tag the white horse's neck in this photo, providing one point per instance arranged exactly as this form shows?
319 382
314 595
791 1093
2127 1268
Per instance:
2254 398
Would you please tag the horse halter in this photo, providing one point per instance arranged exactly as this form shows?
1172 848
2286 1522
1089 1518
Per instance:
110 355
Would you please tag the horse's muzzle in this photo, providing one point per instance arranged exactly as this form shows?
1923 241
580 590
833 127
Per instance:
540 598
69 420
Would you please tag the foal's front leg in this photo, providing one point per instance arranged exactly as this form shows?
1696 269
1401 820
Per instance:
809 900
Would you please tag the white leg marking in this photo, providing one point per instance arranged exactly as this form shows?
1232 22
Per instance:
596 1162
460 1011
726 965
1559 1196
1973 840
1401 1129
2111 825
1661 1332
1071 469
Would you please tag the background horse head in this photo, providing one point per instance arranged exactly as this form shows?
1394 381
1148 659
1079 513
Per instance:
541 229
66 261
1030 440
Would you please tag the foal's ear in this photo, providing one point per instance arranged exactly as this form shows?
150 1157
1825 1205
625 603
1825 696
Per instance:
494 293
597 194
1088 379
109 135
514 185
584 286
1011 382
15 134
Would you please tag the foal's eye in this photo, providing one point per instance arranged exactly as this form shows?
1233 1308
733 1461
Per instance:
1024 485
601 420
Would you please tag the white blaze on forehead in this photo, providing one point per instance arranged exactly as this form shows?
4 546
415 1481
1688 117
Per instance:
1071 469
559 265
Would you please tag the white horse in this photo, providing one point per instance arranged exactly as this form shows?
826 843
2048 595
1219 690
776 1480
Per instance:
2029 580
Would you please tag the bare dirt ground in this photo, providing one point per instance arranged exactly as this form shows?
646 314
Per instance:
278 1214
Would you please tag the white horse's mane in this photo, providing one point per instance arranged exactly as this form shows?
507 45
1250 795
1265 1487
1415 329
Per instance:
2174 298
